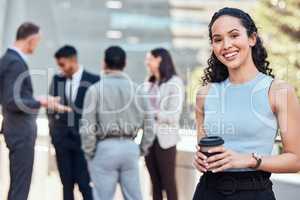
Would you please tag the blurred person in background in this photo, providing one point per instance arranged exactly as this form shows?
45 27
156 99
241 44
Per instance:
114 111
240 92
166 93
71 86
20 109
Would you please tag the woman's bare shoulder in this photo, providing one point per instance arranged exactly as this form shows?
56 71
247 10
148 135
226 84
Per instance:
203 90
280 94
280 86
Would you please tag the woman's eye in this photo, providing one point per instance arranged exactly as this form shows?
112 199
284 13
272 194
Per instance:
217 40
234 36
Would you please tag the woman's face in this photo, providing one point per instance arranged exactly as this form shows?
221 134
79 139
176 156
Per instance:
230 42
152 63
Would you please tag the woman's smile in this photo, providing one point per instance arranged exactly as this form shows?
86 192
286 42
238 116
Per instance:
230 56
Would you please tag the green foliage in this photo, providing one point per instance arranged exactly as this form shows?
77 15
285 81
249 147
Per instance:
194 84
278 22
279 26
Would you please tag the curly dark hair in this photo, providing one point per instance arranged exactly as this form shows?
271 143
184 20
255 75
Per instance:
216 70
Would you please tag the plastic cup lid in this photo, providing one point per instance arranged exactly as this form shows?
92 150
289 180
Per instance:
211 141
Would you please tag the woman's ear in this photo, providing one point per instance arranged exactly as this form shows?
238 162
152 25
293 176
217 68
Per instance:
252 39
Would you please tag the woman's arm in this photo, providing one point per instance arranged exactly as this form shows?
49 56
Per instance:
200 99
287 109
200 160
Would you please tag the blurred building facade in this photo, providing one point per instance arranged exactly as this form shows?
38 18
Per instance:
136 25
92 26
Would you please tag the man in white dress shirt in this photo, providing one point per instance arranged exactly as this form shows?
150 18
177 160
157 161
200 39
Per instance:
71 85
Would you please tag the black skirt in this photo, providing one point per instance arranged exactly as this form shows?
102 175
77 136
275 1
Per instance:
254 185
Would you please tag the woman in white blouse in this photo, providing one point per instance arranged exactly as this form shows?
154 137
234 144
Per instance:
166 93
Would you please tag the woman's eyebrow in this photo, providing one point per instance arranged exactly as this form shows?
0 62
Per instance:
219 35
216 35
233 30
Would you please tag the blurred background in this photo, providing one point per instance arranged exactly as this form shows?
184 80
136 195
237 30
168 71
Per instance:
138 26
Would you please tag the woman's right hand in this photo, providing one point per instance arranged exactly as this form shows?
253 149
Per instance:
200 161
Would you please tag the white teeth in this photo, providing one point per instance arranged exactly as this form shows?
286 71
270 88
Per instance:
230 54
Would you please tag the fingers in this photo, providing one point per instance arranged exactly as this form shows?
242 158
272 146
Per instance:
222 168
43 100
58 107
53 99
199 167
200 155
68 109
62 108
219 163
200 162
56 99
217 157
219 149
55 105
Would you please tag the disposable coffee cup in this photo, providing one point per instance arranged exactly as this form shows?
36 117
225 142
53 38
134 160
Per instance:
210 142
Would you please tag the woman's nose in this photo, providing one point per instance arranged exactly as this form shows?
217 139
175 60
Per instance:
227 43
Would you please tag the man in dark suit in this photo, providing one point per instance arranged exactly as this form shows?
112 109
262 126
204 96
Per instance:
20 108
71 85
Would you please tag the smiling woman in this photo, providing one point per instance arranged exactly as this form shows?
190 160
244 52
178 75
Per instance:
241 33
239 90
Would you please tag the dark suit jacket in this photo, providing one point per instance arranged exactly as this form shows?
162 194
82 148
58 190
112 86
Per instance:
64 127
19 108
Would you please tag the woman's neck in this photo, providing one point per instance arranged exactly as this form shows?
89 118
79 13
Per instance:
157 77
243 73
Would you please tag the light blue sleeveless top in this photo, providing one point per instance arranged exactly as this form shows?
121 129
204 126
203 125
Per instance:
241 114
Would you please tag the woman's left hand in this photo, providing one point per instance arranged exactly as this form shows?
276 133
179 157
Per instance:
228 159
